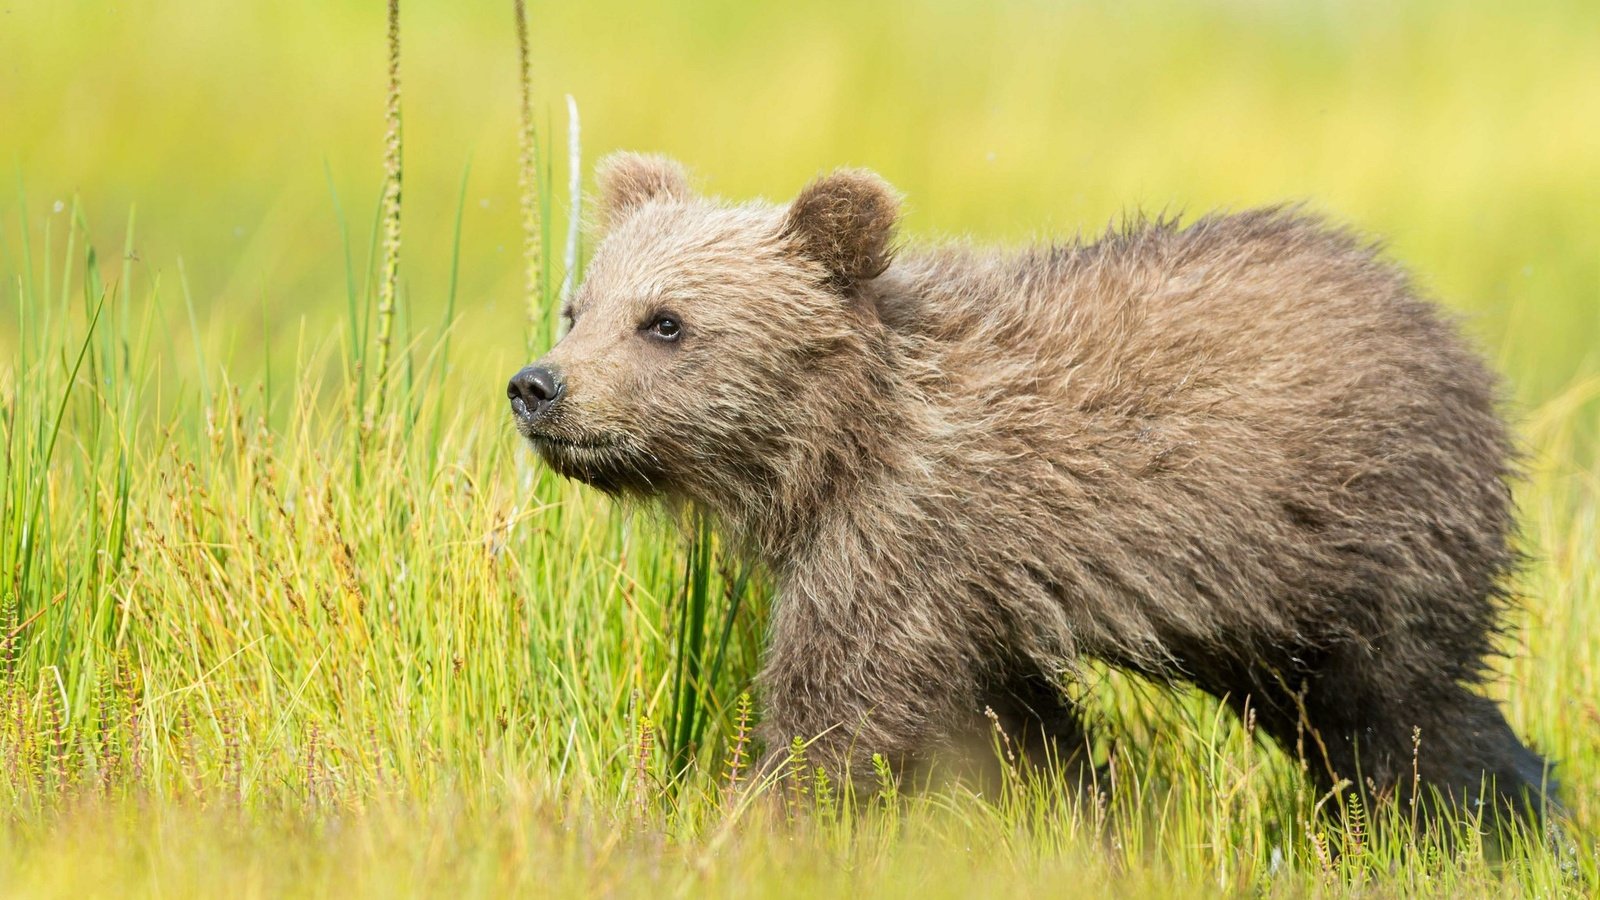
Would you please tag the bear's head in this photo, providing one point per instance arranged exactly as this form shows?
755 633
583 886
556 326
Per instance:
714 351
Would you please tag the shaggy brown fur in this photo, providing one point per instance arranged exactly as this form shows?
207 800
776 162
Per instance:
1241 453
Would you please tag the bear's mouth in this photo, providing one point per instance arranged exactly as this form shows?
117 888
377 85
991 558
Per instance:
552 433
601 462
541 440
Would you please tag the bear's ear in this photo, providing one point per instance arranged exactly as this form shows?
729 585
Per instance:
629 180
845 220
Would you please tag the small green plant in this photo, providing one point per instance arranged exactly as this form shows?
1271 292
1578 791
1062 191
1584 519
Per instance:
738 759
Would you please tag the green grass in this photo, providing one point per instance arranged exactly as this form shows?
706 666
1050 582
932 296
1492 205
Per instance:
251 642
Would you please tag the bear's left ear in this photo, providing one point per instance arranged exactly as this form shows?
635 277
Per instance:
846 222
630 180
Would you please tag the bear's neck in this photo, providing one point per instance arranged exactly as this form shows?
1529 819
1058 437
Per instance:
866 440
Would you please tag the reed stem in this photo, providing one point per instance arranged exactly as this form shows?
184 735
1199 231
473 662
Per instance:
528 175
388 284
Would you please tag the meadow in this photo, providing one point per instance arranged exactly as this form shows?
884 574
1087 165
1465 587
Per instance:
286 608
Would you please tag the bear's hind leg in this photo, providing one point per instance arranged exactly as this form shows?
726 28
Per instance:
1357 717
1468 752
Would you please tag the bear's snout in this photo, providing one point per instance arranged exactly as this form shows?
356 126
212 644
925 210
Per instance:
532 391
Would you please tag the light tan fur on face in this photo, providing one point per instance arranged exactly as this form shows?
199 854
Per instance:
1242 453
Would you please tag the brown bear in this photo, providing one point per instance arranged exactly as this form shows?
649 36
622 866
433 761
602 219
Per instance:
1242 453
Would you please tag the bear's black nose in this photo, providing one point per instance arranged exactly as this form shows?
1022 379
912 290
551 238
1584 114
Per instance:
532 390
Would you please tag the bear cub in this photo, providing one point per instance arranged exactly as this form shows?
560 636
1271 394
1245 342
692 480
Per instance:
1242 453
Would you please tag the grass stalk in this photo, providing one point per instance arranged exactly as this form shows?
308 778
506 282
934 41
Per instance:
528 179
389 277
569 258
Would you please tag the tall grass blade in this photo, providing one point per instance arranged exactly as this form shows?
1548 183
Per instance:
569 258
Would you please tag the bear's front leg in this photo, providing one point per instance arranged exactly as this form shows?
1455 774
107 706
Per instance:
863 676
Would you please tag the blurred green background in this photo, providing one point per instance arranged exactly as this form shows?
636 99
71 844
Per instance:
1466 134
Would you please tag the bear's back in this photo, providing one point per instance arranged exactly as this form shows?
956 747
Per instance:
1255 401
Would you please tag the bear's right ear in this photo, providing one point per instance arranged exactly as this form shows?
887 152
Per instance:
630 180
846 222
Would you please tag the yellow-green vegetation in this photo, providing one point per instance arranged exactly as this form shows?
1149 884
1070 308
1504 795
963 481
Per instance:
287 609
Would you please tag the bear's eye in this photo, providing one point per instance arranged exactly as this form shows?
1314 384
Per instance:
665 327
